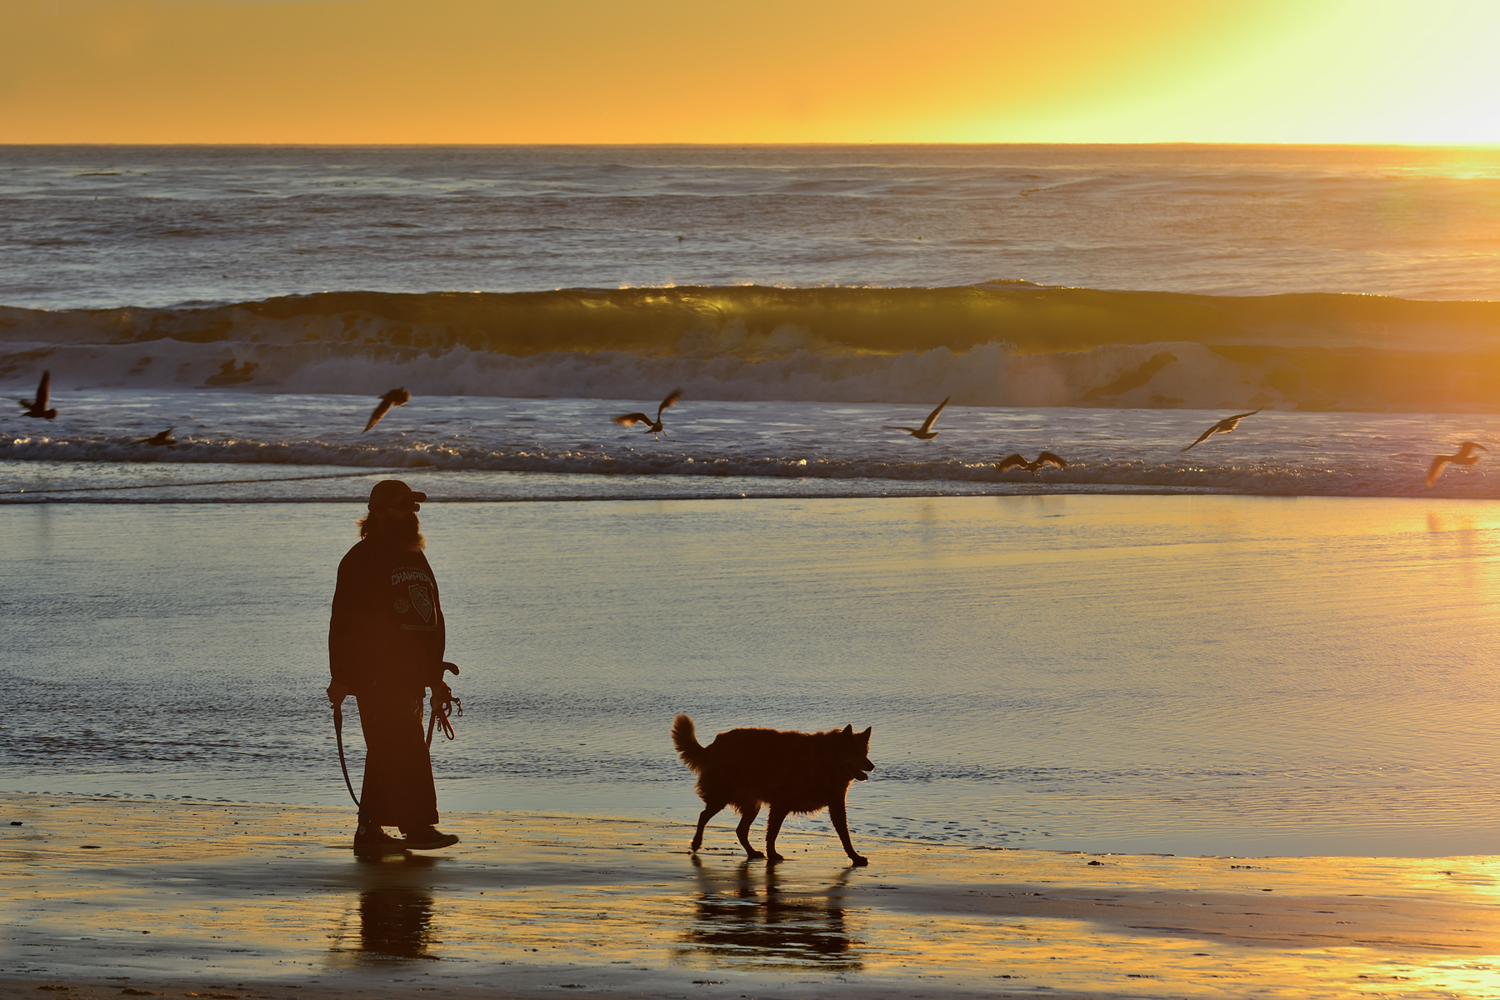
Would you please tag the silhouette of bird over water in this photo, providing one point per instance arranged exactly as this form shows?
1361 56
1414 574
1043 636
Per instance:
1017 462
925 432
1223 426
38 407
1465 456
160 438
652 426
396 397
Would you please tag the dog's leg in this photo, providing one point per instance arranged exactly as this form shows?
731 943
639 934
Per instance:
773 827
840 819
743 830
710 810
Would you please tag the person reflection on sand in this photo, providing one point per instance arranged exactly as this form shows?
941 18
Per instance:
395 912
748 917
395 922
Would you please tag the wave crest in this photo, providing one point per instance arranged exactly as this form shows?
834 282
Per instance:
1002 344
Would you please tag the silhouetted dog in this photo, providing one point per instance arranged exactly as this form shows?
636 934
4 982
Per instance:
789 772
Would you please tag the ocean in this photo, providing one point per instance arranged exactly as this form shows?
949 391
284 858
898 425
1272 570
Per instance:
1107 304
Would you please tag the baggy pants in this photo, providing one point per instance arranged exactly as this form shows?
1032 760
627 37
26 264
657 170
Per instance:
398 788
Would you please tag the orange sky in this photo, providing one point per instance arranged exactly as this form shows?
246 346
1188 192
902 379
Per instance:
615 71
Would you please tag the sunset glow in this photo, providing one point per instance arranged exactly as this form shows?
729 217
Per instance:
655 71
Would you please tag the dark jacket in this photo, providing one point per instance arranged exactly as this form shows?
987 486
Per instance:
387 630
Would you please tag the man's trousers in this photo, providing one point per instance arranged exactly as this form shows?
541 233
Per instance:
398 788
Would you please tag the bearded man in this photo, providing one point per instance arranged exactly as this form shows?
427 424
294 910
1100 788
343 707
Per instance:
385 647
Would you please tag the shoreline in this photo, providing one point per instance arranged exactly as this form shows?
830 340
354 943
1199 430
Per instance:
188 897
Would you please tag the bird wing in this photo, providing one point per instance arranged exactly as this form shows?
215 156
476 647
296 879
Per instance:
396 397
1230 423
1436 468
631 419
43 390
1204 436
932 417
671 400
381 409
1466 448
1010 462
1047 458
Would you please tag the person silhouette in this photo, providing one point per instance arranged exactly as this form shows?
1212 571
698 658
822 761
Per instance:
385 647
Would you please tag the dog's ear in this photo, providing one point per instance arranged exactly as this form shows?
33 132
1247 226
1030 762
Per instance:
848 730
866 734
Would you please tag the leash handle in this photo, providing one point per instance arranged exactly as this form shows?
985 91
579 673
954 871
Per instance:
442 711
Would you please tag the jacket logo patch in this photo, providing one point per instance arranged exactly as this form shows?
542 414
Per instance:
421 601
402 605
406 574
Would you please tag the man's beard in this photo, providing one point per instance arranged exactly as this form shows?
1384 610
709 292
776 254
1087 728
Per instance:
403 530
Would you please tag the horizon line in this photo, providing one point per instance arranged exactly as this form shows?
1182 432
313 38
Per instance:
1175 143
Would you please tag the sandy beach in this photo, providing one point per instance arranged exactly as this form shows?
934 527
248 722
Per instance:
106 897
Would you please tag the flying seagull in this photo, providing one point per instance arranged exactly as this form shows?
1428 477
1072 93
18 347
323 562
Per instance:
1223 426
161 438
1017 462
652 426
1465 456
396 397
925 432
38 407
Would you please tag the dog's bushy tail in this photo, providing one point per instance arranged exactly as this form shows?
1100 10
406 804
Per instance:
685 739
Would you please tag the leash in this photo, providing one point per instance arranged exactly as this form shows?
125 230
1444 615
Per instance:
338 735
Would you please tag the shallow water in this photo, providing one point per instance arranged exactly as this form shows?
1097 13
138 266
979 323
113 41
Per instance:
1191 674
240 441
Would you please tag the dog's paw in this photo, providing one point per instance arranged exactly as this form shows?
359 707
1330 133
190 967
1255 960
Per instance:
754 855
775 858
858 862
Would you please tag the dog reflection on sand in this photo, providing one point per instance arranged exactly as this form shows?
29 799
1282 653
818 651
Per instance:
789 772
742 923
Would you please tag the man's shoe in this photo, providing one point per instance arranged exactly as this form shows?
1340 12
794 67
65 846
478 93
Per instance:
427 838
373 842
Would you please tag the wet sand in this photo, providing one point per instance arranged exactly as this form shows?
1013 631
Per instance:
110 897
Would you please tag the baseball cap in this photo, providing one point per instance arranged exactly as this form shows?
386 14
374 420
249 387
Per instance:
394 491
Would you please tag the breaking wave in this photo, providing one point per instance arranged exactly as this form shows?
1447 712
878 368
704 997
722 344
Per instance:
996 344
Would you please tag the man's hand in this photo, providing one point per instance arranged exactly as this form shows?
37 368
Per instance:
337 692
